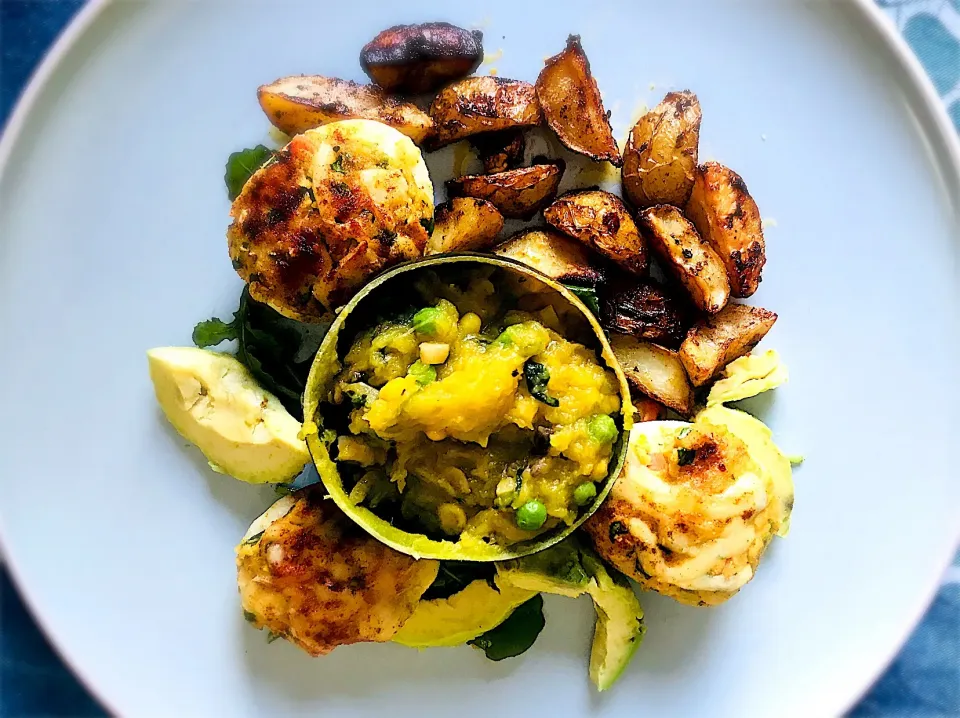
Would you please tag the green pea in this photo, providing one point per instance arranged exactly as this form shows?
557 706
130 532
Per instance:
425 321
423 373
602 428
584 494
531 515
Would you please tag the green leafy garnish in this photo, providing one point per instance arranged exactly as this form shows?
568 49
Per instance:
587 295
271 636
241 165
249 617
537 376
454 576
278 351
337 165
685 457
255 539
617 529
427 224
516 634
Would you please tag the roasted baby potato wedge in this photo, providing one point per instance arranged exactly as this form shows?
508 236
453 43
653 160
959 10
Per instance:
421 58
500 151
302 102
644 309
554 255
646 409
660 159
655 371
464 224
687 256
572 105
716 341
483 104
721 208
602 221
518 193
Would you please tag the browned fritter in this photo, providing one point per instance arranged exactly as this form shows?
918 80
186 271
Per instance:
317 579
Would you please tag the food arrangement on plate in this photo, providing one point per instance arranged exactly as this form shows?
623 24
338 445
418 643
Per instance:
495 408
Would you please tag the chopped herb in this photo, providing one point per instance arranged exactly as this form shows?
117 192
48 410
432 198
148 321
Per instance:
249 617
255 539
515 635
538 376
213 331
587 295
271 636
683 432
685 457
427 224
337 165
617 529
241 165
383 164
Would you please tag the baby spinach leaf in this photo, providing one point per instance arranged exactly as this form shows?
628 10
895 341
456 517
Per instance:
516 634
587 295
537 376
454 576
241 165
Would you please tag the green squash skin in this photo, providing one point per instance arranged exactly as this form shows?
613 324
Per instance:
326 365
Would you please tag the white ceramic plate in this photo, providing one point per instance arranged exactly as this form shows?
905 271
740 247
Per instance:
112 241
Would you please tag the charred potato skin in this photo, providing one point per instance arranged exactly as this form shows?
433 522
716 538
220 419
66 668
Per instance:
500 151
716 341
644 309
482 104
687 256
554 255
302 102
660 159
572 106
518 194
722 210
421 58
671 388
464 224
602 221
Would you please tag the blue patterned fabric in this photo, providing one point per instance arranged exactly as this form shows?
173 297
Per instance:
924 681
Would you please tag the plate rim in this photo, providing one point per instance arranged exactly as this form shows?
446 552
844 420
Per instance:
934 119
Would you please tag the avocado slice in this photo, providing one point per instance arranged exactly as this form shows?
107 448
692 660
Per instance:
452 621
571 569
214 402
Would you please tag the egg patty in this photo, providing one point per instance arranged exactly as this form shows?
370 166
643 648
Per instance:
332 208
309 574
696 505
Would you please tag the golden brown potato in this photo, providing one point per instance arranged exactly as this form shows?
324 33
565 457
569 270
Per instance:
572 106
646 408
655 371
302 102
483 104
518 193
644 309
602 221
725 214
554 255
421 58
716 341
687 256
464 224
500 151
660 160
311 575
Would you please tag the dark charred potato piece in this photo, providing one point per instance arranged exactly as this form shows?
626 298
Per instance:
646 408
301 102
572 106
421 58
483 104
500 151
716 341
464 224
554 255
687 256
602 221
518 193
660 160
654 371
725 214
642 308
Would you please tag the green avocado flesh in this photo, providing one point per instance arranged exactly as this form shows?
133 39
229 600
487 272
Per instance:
415 439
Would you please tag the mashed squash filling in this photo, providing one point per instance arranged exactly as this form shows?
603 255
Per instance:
475 415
